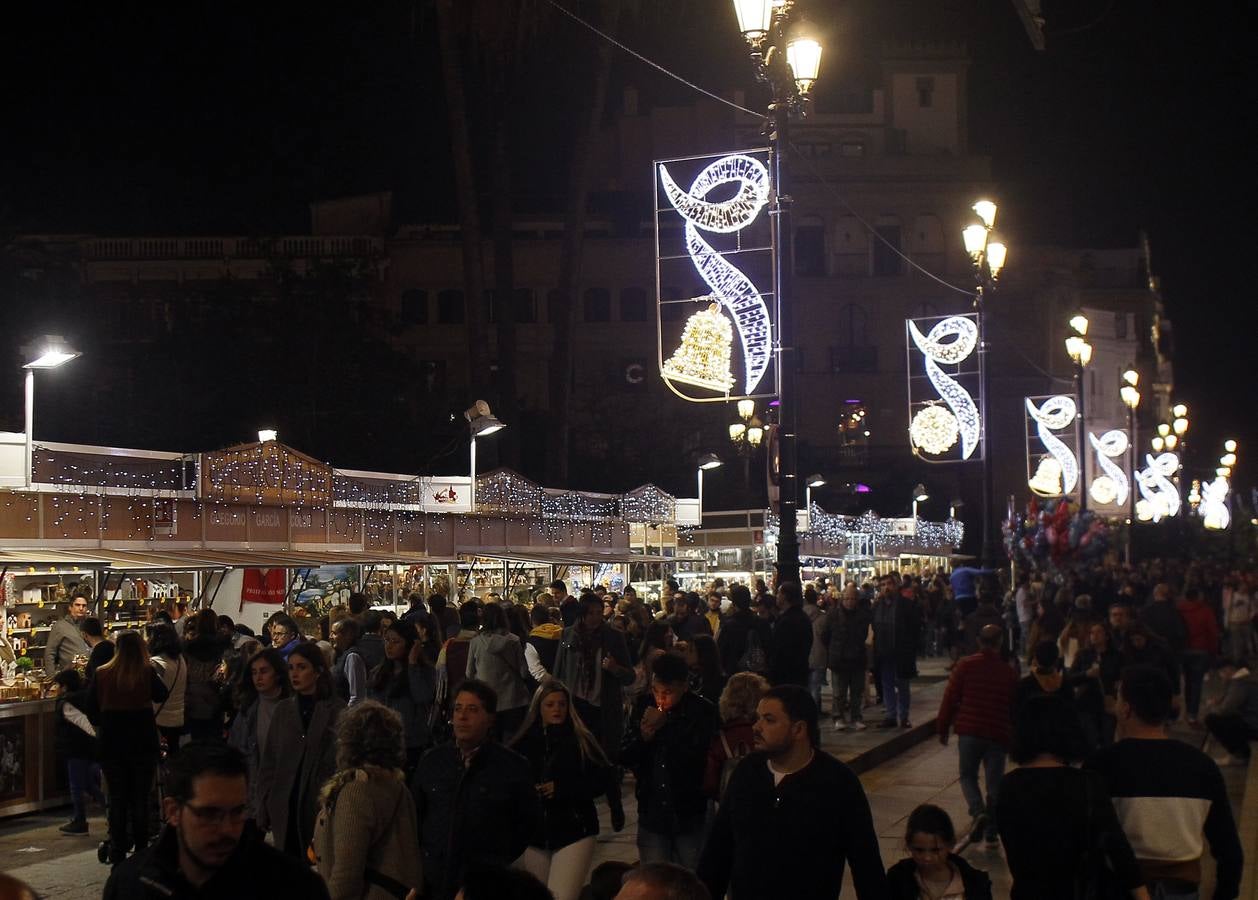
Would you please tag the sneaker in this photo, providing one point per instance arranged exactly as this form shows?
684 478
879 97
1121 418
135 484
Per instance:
858 725
74 826
840 725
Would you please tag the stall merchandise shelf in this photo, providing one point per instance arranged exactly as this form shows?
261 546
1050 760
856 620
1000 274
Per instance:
31 779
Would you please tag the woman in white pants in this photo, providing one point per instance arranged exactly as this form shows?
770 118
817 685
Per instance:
570 770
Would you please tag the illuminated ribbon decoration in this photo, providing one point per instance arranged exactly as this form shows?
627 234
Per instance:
1159 496
1112 487
731 287
936 349
1055 414
1214 512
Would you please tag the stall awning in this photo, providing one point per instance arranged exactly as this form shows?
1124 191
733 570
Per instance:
187 560
562 558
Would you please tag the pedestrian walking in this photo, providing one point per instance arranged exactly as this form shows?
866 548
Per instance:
897 629
847 632
932 871
791 642
764 840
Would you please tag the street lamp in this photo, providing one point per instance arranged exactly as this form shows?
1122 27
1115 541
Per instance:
706 461
1080 352
988 256
1131 398
789 58
481 423
813 481
919 496
53 354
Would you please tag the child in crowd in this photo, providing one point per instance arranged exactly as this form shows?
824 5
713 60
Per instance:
932 871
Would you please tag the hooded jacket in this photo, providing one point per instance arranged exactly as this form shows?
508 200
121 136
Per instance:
497 658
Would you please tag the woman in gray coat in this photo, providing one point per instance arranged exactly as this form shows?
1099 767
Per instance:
300 752
496 657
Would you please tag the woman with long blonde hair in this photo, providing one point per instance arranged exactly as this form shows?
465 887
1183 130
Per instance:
570 770
120 701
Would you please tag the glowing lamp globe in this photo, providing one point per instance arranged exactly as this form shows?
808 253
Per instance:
986 210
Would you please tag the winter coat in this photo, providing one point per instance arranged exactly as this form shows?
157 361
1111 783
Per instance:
817 655
902 880
293 761
123 717
1201 626
1163 619
65 641
412 700
174 672
243 735
668 769
1090 693
845 632
687 626
366 834
253 870
790 647
897 628
201 695
483 813
610 730
978 700
731 642
497 659
554 755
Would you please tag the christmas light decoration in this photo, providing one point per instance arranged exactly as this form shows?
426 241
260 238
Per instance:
1054 414
932 430
648 504
1159 498
1214 511
1112 487
704 355
731 287
888 534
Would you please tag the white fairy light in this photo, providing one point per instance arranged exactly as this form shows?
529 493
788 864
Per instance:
950 341
1055 414
1214 512
934 430
734 289
1112 487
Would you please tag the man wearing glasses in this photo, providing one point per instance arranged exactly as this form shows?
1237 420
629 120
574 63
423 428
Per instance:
200 852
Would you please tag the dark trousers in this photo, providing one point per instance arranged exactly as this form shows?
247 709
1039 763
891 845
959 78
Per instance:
849 693
84 783
210 729
1233 732
130 781
1194 663
592 716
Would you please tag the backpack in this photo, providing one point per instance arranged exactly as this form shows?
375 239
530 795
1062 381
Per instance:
733 756
754 659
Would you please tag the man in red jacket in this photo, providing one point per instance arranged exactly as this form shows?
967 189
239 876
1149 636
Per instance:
978 704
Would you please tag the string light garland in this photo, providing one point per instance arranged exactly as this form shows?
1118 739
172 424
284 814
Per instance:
728 283
1060 476
838 530
950 341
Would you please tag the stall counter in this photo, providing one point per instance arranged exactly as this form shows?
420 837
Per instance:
30 778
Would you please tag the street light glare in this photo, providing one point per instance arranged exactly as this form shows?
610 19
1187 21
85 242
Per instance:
1180 425
1079 322
919 493
815 481
267 435
804 56
709 461
1179 410
986 210
746 408
1132 377
1230 446
754 17
975 237
996 253
51 358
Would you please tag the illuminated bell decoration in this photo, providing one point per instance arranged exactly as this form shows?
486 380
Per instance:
934 429
703 359
1047 479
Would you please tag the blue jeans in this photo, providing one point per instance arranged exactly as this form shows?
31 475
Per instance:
84 783
816 678
681 848
973 751
895 690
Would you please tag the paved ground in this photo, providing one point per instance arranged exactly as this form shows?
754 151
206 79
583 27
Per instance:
899 769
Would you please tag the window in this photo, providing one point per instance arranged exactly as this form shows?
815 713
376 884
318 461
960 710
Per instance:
853 353
810 246
925 92
597 305
887 259
414 307
851 247
524 305
851 149
450 309
633 306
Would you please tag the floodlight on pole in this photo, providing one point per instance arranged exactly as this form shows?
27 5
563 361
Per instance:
52 353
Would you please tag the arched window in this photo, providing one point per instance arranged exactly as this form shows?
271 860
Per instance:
450 307
414 307
597 305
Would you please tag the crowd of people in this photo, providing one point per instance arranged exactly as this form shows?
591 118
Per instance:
465 751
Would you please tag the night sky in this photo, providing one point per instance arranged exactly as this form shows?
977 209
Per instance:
231 117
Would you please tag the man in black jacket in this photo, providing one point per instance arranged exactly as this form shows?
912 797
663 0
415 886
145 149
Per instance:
476 800
845 634
733 643
200 853
763 842
666 744
792 639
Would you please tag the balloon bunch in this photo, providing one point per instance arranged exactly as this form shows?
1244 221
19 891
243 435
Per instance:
1054 535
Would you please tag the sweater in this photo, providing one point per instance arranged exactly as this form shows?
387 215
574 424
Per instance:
764 840
979 698
1201 625
367 827
1168 796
